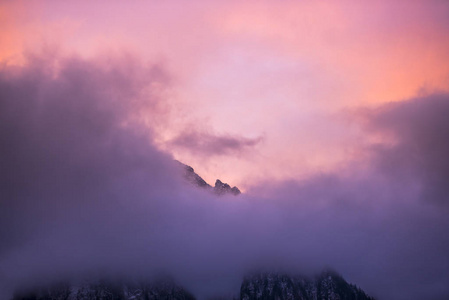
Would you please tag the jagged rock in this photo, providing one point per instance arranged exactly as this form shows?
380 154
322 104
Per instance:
273 286
193 178
220 188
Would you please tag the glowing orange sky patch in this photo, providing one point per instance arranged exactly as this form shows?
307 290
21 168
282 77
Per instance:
10 37
256 68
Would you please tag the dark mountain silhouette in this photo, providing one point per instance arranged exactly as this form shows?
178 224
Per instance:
104 290
220 188
276 286
261 286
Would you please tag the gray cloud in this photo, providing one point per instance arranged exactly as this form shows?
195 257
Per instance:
202 143
85 192
420 146
75 167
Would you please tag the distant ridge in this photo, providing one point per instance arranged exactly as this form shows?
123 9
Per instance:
106 290
329 285
260 286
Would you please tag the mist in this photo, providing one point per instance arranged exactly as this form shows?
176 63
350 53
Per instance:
86 192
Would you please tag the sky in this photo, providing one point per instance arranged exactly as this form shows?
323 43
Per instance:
330 117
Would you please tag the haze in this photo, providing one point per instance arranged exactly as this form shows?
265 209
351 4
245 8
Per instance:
331 118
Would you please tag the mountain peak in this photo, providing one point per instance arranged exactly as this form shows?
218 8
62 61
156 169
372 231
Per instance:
224 188
220 188
328 285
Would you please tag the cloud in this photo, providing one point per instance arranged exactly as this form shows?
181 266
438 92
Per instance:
85 192
418 149
73 164
203 143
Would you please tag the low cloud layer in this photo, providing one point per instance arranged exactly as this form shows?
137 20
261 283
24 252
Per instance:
85 192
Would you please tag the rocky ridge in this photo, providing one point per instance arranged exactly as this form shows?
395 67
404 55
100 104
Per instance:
261 286
275 286
219 189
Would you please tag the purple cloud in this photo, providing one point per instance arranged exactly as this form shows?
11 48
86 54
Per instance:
419 129
202 143
84 192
